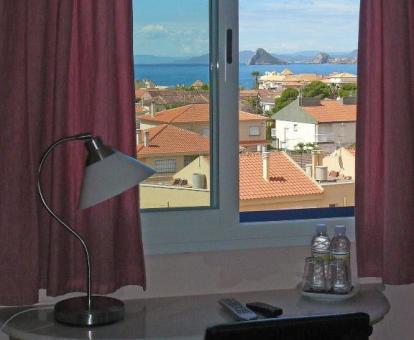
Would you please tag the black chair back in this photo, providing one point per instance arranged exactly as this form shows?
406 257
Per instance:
331 327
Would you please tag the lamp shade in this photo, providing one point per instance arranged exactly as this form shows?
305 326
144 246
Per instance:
109 176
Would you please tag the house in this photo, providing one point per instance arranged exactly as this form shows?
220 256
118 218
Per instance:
341 161
196 118
267 99
198 84
328 123
339 78
155 100
286 79
168 148
268 181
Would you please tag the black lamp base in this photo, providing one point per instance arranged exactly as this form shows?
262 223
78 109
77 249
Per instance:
75 311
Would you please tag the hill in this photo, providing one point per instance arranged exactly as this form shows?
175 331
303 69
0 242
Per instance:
262 57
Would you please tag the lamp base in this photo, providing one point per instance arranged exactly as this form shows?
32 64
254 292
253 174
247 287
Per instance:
75 311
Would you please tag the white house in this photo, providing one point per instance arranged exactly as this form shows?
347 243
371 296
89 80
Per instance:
328 123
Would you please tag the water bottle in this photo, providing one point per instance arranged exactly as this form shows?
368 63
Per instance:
320 247
340 268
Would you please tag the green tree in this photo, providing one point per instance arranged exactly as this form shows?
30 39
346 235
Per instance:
256 75
347 90
317 88
254 103
287 96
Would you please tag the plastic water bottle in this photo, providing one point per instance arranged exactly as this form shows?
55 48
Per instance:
320 249
340 267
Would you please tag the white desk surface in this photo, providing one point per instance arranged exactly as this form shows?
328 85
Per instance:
185 317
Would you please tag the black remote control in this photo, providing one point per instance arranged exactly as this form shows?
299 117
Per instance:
238 310
265 309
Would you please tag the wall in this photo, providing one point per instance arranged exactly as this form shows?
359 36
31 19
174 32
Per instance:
305 133
249 270
244 127
341 157
342 194
200 165
159 196
344 133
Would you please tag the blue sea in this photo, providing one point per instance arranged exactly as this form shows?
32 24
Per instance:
173 74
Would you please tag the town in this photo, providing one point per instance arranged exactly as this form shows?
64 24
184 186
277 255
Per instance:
296 149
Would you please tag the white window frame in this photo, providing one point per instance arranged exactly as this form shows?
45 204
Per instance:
218 228
254 128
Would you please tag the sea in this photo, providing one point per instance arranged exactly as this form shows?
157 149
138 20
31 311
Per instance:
186 74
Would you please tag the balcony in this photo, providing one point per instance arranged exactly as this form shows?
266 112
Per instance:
325 138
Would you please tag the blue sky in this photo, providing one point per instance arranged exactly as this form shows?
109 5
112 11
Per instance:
180 27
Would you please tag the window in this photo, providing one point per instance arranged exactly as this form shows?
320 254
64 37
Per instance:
173 87
312 79
216 225
165 165
254 131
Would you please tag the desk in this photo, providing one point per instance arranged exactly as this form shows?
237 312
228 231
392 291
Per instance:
186 317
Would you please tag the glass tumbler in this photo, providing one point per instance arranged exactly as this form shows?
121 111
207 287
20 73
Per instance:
314 275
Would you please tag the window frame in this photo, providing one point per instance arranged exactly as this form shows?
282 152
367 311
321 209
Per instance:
219 227
254 127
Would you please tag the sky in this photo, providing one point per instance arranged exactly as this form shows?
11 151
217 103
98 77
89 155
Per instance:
179 28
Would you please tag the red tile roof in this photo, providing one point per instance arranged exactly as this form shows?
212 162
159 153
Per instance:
169 139
193 113
332 111
286 178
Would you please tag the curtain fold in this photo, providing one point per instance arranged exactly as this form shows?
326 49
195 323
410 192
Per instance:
66 67
385 141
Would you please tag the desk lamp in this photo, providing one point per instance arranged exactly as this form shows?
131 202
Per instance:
108 173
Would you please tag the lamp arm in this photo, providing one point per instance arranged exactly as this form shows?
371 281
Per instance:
79 137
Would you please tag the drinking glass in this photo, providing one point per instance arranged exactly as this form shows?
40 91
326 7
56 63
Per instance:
314 275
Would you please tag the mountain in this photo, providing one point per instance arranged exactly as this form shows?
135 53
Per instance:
262 57
244 56
321 58
153 59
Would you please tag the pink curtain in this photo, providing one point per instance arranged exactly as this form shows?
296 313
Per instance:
385 141
66 67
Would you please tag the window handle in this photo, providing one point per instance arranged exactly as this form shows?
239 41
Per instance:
229 46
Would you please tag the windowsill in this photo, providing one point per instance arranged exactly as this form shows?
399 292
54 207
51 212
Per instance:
193 238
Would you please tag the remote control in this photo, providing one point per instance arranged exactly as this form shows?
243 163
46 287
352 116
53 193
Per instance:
265 309
238 310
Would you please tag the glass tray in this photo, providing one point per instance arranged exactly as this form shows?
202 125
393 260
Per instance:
330 296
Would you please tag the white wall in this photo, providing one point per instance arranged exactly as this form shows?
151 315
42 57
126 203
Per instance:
249 270
305 133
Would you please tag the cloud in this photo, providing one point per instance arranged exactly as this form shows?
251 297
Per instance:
152 31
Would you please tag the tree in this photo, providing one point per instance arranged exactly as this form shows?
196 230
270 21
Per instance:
254 103
317 88
287 96
347 90
256 75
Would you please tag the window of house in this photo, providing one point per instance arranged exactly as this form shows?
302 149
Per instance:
254 131
165 165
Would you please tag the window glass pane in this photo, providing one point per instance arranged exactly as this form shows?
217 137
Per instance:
172 87
298 87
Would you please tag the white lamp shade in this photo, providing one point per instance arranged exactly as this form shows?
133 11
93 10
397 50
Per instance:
111 176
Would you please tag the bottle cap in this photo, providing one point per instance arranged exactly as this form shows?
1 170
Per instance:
321 229
340 229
